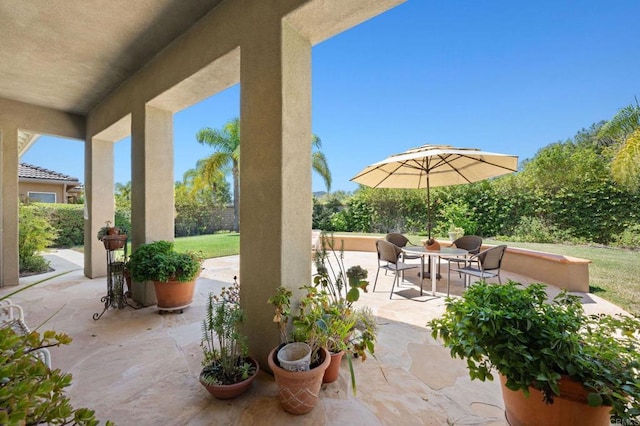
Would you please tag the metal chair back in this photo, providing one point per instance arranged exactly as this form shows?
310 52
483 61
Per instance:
491 259
470 243
397 239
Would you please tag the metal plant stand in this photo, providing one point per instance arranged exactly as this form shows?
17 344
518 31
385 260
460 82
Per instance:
116 258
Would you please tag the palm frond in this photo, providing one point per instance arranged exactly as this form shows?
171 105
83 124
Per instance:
625 167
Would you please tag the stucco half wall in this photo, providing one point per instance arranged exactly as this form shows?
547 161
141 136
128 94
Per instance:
565 272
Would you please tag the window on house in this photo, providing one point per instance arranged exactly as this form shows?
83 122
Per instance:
42 197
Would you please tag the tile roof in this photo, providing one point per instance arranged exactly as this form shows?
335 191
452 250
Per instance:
29 171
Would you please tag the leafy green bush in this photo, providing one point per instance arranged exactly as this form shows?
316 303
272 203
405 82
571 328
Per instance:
34 264
456 215
629 238
158 261
30 392
67 220
35 234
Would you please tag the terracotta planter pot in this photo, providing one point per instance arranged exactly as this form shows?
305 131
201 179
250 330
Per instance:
298 390
234 390
114 242
333 371
433 247
174 294
571 408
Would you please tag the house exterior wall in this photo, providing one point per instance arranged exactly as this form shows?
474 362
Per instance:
57 188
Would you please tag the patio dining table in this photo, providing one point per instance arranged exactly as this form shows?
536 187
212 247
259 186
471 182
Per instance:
433 256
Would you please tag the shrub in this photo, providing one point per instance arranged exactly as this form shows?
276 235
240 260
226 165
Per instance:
35 235
34 264
629 238
67 220
30 392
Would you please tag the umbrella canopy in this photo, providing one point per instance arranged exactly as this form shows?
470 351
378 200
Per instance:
435 165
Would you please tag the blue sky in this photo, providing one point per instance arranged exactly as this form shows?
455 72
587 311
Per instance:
502 76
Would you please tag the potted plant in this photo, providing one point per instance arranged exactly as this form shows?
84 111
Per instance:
111 237
455 232
298 386
331 297
227 370
173 273
553 359
326 321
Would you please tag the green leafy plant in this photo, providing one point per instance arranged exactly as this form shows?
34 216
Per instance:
35 234
326 316
158 261
533 342
107 230
30 392
223 345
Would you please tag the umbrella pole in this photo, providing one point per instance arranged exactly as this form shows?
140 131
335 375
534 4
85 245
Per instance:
428 209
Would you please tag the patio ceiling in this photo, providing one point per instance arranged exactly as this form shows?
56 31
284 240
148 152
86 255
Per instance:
69 54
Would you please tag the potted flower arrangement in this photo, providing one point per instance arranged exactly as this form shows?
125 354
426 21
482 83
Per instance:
227 370
557 363
326 322
111 236
173 273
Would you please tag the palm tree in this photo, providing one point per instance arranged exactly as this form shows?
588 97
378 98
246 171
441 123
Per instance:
206 182
319 162
123 195
624 130
227 144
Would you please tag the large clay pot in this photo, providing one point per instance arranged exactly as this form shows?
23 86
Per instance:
174 294
333 371
570 408
234 390
299 390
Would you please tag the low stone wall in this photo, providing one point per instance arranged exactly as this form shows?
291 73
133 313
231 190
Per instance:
565 272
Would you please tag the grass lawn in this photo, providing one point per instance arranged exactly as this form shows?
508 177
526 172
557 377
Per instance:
614 274
216 245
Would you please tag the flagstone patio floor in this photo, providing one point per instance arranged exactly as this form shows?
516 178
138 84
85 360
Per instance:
136 367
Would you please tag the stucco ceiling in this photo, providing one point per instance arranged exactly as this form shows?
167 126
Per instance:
69 54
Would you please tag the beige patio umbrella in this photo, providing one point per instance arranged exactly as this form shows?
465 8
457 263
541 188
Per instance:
435 165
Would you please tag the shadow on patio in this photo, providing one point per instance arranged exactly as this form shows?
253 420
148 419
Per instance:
139 367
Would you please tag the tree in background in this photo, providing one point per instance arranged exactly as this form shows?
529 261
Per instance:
207 183
624 130
319 162
123 195
226 142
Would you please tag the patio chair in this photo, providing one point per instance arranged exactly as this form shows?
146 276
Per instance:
400 241
389 260
12 316
470 243
489 262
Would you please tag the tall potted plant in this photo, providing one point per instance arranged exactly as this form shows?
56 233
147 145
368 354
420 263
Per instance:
557 364
173 273
227 370
298 386
326 321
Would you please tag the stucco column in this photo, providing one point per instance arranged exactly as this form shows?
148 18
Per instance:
275 175
99 203
9 263
152 200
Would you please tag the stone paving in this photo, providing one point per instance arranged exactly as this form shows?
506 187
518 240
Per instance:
137 367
